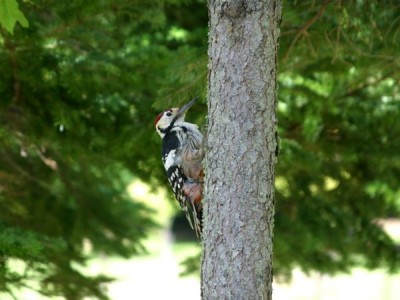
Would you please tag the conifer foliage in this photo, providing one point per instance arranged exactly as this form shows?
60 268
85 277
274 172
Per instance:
81 82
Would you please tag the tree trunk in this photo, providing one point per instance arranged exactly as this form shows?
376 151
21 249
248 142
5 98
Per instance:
240 149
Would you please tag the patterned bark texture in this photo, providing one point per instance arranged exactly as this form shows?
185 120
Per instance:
240 149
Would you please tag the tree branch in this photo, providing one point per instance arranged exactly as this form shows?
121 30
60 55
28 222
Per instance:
303 30
10 47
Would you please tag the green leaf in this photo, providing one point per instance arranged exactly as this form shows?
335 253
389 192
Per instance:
10 14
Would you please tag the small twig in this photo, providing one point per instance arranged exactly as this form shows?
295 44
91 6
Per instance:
310 45
11 293
8 159
359 51
48 161
336 51
14 65
368 84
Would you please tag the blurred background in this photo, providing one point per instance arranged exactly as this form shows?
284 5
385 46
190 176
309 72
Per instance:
86 210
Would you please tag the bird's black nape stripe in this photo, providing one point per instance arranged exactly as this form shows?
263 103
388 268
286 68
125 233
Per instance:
165 130
172 123
168 129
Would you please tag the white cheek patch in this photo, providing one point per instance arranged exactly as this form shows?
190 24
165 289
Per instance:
170 160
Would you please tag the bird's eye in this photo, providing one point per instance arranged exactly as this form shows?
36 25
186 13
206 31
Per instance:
168 114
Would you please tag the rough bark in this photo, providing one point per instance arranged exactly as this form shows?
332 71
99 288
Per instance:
240 149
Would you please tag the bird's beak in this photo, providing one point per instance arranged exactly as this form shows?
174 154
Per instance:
182 111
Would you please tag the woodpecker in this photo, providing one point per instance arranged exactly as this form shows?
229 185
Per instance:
182 154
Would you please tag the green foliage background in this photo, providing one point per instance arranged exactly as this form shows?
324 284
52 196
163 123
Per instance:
82 84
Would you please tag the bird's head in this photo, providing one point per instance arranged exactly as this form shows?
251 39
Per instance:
166 120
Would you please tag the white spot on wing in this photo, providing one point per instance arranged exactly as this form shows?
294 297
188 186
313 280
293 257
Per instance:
170 160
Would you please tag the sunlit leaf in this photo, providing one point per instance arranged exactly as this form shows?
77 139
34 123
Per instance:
10 14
